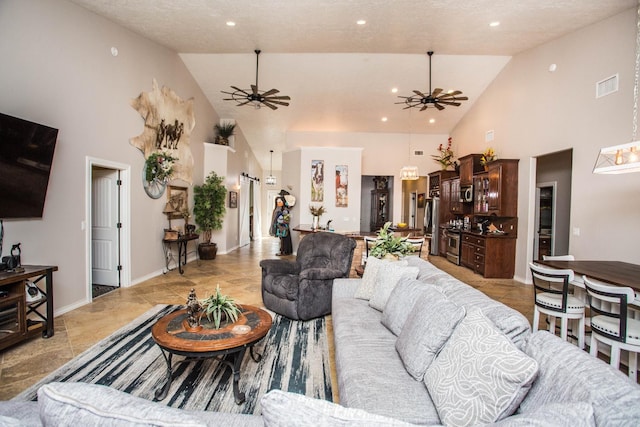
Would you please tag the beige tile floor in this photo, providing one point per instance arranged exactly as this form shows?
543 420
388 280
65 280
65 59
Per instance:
238 274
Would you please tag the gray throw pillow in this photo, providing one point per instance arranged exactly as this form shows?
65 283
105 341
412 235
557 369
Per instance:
64 404
400 302
388 277
481 367
428 327
283 409
368 283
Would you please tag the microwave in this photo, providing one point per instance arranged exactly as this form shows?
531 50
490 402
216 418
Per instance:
466 193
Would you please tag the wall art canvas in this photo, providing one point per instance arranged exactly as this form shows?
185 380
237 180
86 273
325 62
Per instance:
233 199
342 186
317 180
178 198
168 122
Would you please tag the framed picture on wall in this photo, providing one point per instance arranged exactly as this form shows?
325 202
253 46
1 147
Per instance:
178 199
421 200
233 199
342 186
317 180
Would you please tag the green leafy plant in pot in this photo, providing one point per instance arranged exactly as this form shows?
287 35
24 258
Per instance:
209 210
390 246
220 308
223 132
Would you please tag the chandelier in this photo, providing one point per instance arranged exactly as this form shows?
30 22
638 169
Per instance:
624 158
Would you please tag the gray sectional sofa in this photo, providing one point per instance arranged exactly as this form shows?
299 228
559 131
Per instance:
413 346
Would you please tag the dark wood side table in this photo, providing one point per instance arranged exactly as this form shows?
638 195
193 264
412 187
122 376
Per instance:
14 310
182 242
174 336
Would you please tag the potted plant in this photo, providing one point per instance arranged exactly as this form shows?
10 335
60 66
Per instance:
219 308
445 158
209 210
387 245
223 132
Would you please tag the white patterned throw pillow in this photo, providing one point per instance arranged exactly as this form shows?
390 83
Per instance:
387 278
481 367
368 283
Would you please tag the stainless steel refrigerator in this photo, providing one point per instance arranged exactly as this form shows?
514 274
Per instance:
432 224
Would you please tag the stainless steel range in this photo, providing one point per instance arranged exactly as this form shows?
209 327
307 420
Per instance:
454 245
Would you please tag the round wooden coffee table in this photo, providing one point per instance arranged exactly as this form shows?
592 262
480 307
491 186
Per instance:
174 336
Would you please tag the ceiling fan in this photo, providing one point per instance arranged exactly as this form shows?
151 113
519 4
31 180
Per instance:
436 98
254 96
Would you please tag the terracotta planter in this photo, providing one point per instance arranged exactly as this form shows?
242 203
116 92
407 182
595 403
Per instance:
207 250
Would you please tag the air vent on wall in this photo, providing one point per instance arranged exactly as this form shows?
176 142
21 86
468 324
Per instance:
607 86
418 153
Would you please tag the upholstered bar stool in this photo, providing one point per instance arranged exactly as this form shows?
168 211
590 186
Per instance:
552 297
611 324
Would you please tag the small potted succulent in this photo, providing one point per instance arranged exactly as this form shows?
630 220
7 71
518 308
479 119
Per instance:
389 246
220 308
224 131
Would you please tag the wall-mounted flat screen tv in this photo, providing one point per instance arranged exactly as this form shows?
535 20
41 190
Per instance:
26 154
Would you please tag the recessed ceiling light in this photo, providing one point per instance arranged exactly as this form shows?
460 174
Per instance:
384 119
394 90
432 120
494 24
231 24
361 22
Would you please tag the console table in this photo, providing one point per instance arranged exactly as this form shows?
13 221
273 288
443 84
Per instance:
182 242
14 309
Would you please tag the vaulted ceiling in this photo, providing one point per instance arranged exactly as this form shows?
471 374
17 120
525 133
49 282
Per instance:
340 74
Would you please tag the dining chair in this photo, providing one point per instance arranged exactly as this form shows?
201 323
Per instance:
578 290
611 323
552 298
369 242
417 243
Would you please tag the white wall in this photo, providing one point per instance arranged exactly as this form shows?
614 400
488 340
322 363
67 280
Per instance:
57 69
382 154
535 112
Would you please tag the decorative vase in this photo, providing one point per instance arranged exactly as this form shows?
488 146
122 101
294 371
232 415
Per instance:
207 250
443 166
486 167
316 222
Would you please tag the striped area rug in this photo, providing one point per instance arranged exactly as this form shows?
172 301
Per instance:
295 358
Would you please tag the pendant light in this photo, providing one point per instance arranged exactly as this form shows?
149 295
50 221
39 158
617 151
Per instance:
271 180
624 158
409 173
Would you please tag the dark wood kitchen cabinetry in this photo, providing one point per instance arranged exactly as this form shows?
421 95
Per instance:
496 191
492 257
469 165
455 205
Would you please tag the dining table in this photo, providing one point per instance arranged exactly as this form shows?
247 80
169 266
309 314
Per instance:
617 273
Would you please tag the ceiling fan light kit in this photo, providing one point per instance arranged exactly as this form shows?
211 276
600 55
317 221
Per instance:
436 98
254 96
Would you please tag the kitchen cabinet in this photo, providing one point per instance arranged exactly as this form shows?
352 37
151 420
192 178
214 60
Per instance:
544 246
490 256
502 197
455 205
496 190
445 201
435 180
469 165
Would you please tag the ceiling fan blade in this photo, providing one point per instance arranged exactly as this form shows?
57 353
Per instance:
237 89
273 101
436 92
254 88
408 106
424 107
417 92
243 103
438 106
281 97
450 94
268 104
455 104
461 98
270 92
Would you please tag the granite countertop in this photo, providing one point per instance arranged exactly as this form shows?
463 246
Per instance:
306 228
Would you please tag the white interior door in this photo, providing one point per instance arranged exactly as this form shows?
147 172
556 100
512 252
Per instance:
105 244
